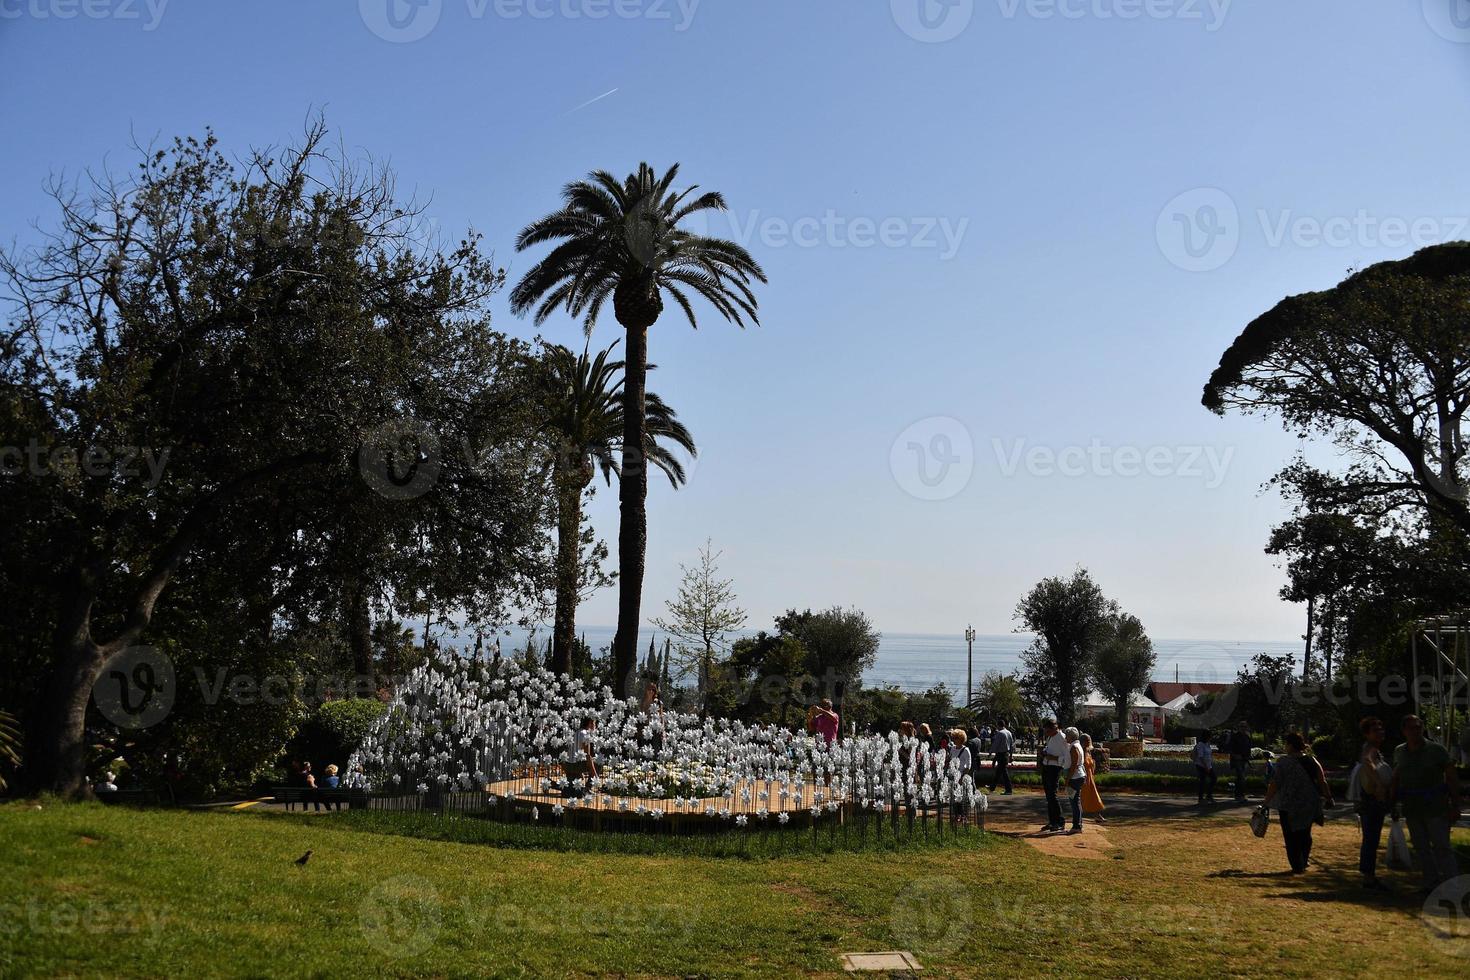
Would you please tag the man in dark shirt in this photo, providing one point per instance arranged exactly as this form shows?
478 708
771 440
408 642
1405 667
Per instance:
1240 757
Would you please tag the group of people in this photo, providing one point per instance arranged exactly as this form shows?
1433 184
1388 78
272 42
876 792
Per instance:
306 779
1420 785
1066 758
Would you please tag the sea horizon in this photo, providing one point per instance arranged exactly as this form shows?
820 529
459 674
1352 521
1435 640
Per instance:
919 661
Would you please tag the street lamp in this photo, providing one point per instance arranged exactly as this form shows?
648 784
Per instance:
970 666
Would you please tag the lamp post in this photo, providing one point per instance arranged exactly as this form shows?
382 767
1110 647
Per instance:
970 666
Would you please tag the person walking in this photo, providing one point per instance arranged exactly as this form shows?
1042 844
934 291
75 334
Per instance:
1240 757
1076 767
1053 757
1427 793
1370 788
1203 756
1298 791
1002 744
1092 804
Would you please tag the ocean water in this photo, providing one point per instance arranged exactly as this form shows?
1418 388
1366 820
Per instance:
918 661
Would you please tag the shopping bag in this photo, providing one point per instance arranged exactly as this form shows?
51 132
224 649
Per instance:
1398 847
1260 820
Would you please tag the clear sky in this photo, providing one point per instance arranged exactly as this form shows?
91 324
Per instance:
1007 243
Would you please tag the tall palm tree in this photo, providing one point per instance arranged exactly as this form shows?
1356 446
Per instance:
584 426
622 241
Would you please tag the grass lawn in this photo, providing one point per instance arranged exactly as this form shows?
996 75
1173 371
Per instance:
92 890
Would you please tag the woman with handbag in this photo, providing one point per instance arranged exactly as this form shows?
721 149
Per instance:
1299 792
1370 788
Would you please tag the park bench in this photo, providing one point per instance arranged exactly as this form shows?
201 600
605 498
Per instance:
292 795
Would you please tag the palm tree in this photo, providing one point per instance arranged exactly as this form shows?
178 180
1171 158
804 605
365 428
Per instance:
9 745
584 424
622 241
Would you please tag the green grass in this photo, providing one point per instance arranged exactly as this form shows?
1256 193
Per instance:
98 891
759 841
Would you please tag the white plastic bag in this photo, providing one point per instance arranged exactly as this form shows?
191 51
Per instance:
1398 848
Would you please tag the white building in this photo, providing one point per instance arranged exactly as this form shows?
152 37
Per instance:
1143 714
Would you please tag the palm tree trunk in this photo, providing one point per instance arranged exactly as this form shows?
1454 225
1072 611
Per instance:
633 516
569 526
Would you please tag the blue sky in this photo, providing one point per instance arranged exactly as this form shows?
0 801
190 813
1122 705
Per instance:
975 232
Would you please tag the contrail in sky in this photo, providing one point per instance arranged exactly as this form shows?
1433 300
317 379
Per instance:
591 101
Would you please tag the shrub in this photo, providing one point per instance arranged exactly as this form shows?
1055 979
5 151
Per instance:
336 729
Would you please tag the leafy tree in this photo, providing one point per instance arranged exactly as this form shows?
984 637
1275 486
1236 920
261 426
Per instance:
1379 364
841 645
280 336
622 241
1070 617
701 616
771 668
1124 662
584 429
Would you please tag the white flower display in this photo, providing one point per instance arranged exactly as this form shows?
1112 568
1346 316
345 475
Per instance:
460 724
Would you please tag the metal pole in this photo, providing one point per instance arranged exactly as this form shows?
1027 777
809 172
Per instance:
970 666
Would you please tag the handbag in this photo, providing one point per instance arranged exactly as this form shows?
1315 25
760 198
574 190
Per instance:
1260 820
1398 856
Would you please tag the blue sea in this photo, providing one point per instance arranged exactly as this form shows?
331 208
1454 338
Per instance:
918 661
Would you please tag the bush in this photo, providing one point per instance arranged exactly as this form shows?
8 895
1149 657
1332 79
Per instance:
336 729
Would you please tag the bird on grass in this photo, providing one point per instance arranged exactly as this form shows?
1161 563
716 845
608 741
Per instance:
301 861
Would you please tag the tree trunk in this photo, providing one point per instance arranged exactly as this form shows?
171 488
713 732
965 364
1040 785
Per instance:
568 532
55 759
1122 708
360 633
633 515
1307 655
